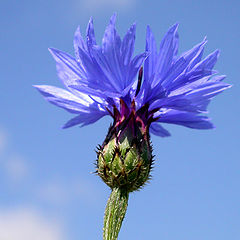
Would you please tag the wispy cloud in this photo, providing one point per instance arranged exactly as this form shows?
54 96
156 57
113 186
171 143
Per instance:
14 165
103 4
16 168
3 140
26 224
59 192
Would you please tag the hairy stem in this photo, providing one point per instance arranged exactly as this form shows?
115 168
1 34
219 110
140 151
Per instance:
114 214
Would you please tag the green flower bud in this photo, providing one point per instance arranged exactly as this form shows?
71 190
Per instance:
125 158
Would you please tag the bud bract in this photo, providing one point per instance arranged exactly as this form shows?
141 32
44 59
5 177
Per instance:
125 158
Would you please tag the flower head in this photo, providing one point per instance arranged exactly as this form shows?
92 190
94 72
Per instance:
102 80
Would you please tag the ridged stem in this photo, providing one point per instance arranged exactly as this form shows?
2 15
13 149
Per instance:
114 214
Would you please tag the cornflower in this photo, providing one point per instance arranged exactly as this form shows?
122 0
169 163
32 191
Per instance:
139 93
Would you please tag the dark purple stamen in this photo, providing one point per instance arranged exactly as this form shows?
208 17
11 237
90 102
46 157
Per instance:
129 116
140 74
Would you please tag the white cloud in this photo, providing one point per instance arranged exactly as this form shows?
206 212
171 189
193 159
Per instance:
57 192
54 192
3 140
16 168
96 4
25 224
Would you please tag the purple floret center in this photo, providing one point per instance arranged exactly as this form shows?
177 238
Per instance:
131 117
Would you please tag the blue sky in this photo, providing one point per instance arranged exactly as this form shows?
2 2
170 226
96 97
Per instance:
47 189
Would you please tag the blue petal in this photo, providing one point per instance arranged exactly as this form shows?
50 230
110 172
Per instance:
209 61
150 63
64 99
94 92
191 100
111 38
127 47
111 46
176 76
218 78
69 71
168 48
181 64
90 34
84 119
107 70
134 67
198 56
78 42
186 78
207 91
95 76
186 119
158 130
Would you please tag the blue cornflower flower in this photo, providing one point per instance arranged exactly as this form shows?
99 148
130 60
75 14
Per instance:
101 80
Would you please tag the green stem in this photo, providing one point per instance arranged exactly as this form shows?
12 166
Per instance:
114 214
